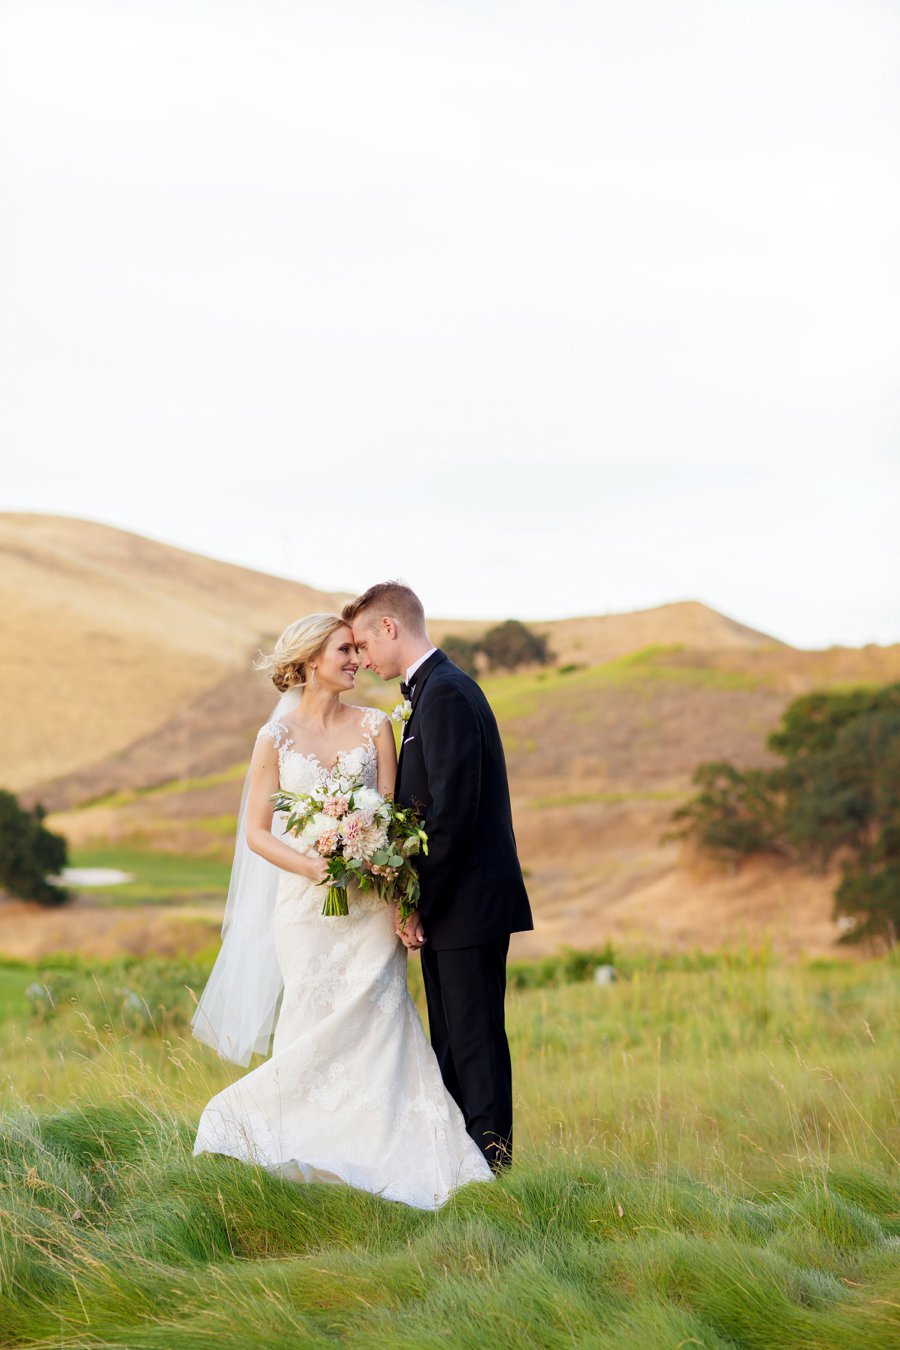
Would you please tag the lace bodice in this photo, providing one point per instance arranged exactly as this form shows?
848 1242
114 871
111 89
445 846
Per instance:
299 772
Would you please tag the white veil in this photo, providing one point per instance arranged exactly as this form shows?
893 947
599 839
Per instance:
237 1010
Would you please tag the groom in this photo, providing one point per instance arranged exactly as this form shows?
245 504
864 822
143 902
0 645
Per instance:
452 767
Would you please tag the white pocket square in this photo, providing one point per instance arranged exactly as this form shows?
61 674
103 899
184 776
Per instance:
407 739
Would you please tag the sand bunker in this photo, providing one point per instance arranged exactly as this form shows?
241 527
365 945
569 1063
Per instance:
92 876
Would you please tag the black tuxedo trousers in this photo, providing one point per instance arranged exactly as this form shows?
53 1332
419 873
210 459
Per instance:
465 989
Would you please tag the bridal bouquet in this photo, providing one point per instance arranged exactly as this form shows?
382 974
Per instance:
367 838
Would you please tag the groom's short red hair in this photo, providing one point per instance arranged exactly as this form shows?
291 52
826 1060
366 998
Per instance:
389 599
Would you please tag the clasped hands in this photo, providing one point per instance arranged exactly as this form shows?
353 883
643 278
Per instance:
410 933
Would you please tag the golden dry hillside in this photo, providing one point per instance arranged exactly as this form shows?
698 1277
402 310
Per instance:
593 639
146 745
598 758
107 635
120 650
685 623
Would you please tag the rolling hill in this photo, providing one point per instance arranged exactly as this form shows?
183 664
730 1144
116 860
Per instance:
131 707
686 623
108 636
116 644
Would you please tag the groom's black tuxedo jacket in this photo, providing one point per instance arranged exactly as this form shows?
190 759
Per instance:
452 766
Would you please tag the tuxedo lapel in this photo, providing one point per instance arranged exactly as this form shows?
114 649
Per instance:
421 679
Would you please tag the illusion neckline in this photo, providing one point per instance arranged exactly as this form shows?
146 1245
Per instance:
287 749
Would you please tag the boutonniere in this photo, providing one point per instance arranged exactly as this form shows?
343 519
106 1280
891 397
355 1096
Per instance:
403 711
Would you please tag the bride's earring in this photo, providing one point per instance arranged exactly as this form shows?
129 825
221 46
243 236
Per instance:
312 674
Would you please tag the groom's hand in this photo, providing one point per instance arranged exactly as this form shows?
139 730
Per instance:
411 934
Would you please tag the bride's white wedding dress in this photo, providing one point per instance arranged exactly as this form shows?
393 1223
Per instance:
352 1092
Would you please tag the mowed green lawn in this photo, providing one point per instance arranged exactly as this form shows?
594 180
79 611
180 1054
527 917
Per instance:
159 878
706 1156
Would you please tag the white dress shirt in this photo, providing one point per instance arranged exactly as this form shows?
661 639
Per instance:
415 665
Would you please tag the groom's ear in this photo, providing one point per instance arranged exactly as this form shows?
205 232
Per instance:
389 627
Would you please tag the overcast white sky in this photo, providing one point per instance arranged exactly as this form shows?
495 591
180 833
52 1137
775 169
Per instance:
549 308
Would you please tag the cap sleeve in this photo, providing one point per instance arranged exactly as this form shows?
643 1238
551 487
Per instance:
374 719
277 732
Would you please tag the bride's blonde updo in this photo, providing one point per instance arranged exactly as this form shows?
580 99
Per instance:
296 647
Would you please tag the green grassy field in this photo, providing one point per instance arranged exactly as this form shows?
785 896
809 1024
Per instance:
13 983
159 878
707 1156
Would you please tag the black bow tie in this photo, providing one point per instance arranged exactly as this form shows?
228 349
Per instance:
407 689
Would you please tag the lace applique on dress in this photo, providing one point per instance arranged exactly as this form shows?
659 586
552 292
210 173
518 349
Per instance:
374 719
278 733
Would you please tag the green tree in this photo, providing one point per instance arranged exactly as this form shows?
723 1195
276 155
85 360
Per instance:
831 796
29 853
733 815
811 724
462 653
837 795
870 890
511 644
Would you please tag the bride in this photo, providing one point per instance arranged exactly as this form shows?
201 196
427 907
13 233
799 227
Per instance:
352 1092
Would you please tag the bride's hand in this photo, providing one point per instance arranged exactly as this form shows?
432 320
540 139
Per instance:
411 934
317 870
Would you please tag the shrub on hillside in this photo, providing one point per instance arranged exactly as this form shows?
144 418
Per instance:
505 647
511 644
29 853
836 795
811 724
733 815
462 653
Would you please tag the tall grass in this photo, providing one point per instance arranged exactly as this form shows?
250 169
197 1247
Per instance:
706 1155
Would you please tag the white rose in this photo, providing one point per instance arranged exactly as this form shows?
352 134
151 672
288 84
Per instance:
314 829
367 799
